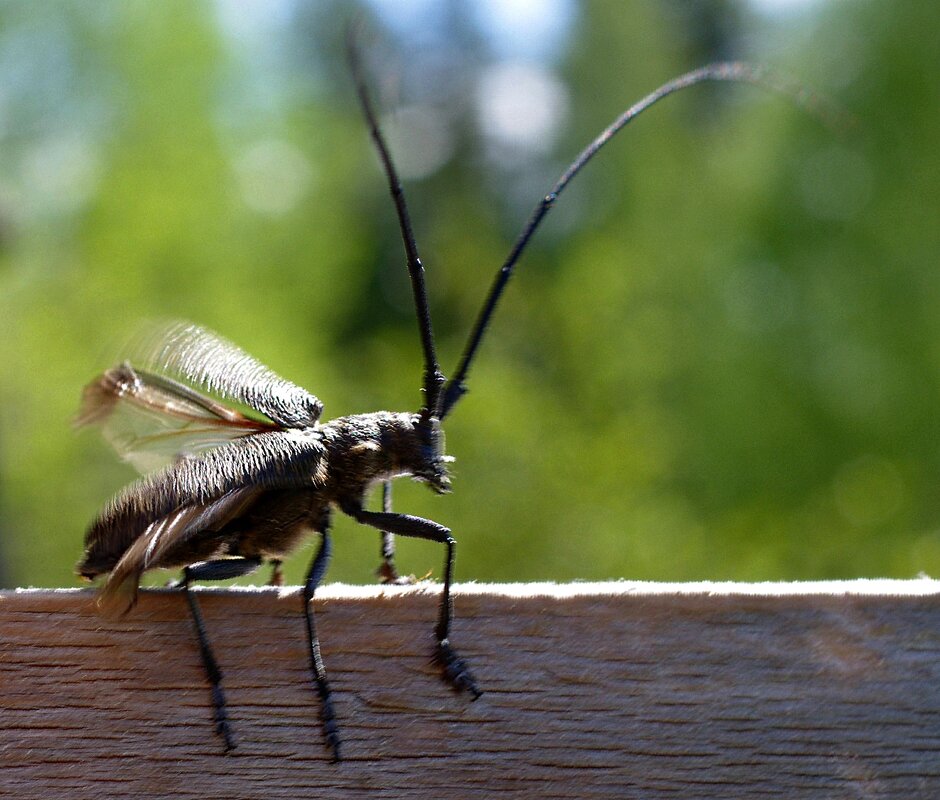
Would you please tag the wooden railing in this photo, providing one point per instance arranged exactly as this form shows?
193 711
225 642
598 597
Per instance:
590 690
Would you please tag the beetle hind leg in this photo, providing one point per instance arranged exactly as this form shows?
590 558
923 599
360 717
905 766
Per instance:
317 668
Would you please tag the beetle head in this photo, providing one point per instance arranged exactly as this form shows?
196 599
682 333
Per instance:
430 465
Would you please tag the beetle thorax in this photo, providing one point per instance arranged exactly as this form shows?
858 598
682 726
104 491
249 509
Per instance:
366 448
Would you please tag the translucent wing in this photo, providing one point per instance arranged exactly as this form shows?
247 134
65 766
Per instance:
205 359
151 420
282 459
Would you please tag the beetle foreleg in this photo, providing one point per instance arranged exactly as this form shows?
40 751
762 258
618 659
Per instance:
454 668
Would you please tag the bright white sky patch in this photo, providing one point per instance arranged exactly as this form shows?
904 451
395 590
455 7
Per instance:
420 139
521 105
58 176
534 29
253 20
780 8
407 16
273 176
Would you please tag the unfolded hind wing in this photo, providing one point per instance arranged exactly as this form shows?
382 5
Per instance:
151 420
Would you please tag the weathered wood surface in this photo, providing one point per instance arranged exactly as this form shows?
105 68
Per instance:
616 690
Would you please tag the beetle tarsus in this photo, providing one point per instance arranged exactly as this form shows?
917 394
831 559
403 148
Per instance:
222 728
328 718
455 671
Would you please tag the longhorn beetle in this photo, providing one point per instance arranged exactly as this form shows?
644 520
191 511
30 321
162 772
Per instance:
243 490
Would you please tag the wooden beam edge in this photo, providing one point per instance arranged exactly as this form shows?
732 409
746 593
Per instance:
889 587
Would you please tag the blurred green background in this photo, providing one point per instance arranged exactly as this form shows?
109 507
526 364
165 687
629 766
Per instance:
718 360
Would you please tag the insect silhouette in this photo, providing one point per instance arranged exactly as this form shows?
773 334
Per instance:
244 489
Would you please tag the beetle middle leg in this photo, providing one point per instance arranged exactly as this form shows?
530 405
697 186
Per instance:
454 668
219 570
387 572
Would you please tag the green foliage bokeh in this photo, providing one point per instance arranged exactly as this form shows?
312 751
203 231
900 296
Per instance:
719 359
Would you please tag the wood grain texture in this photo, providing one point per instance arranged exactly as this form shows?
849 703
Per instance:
612 691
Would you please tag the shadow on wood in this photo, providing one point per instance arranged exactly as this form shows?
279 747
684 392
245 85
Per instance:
612 690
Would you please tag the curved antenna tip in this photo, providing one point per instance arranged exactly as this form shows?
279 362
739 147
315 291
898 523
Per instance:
810 101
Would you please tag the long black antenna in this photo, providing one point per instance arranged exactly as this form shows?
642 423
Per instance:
725 71
433 377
